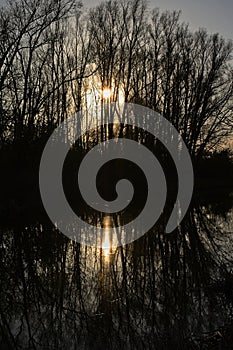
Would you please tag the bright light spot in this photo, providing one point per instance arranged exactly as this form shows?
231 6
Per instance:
121 97
92 97
106 245
89 99
106 93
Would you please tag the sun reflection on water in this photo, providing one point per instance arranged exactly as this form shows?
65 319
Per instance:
107 241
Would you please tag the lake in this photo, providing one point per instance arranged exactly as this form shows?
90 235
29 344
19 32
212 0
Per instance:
163 291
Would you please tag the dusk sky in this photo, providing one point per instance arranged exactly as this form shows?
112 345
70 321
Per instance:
216 16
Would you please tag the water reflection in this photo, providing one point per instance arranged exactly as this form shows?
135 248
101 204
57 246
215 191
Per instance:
107 242
160 292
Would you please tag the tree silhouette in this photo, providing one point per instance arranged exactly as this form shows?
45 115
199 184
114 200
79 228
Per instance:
53 55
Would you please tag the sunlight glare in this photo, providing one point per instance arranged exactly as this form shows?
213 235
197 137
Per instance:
106 245
89 99
106 93
121 97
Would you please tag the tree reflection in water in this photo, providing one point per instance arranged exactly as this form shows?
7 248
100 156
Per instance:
160 292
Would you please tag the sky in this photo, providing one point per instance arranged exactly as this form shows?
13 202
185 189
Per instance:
214 15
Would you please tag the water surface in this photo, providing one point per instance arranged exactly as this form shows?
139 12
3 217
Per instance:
164 291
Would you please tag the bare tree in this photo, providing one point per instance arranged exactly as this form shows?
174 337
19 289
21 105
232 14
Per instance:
48 51
24 54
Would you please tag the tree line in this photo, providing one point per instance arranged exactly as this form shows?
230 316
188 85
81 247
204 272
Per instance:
53 53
